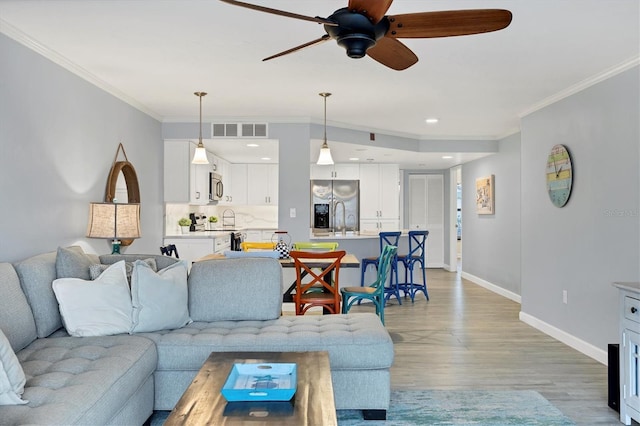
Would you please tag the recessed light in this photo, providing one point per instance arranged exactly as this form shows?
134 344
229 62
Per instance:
353 159
432 120
266 158
252 145
447 157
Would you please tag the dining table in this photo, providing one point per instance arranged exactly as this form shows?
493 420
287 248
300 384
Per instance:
348 261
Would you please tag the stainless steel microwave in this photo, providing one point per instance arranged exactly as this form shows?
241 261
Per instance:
216 188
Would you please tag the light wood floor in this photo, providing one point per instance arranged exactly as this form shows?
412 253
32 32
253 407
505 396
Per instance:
467 337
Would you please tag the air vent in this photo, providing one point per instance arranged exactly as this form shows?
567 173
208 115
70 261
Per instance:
229 130
245 130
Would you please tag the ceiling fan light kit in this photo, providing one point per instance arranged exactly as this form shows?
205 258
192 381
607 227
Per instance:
363 29
200 156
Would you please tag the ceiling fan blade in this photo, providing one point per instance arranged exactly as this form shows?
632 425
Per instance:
392 53
374 9
302 46
447 23
317 19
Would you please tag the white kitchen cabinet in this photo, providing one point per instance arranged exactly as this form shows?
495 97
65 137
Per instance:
379 197
629 351
200 178
191 249
262 184
185 182
259 235
235 185
336 171
176 171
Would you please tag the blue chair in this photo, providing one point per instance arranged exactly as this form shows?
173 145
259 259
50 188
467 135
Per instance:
375 291
386 239
416 256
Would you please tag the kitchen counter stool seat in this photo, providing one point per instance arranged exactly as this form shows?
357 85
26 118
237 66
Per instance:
416 256
375 291
386 239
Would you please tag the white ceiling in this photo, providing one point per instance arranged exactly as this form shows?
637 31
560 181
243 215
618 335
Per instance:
156 53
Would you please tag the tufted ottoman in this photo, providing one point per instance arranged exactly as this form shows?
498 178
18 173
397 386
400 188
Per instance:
360 353
88 380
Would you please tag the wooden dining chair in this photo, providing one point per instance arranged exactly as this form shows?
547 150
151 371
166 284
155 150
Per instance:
375 291
309 281
385 239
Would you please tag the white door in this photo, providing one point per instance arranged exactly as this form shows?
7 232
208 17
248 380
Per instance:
426 211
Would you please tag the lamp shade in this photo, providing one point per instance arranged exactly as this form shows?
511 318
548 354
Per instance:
114 221
200 156
325 157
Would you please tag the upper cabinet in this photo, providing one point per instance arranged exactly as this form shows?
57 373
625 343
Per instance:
235 185
185 182
336 171
262 184
379 197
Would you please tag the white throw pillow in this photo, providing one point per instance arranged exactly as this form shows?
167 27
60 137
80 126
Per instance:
160 299
12 378
96 308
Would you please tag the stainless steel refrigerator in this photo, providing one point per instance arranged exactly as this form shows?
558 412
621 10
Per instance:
335 205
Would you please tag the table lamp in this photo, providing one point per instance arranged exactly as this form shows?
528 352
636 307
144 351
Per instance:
114 221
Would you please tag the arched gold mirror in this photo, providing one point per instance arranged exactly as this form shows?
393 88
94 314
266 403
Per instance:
122 170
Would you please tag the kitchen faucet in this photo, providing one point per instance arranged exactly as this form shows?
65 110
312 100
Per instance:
344 212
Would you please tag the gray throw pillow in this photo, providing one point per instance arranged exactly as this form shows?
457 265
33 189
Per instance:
96 269
73 262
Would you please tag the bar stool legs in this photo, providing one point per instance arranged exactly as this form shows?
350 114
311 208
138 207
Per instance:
416 256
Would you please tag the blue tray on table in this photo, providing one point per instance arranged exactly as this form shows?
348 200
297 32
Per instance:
261 382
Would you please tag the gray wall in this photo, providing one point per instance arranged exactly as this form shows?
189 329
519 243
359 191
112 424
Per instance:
491 243
594 240
58 138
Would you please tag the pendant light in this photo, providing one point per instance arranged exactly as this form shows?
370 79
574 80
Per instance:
325 154
200 156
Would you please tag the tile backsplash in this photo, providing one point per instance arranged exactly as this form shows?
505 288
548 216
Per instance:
257 217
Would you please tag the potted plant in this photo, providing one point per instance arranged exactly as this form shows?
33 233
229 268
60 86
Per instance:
213 220
185 224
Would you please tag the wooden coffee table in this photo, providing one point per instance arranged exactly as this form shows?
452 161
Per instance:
313 404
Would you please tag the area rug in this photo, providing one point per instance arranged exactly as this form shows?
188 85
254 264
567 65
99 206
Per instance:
471 407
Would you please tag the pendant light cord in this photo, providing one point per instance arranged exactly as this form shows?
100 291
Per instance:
325 95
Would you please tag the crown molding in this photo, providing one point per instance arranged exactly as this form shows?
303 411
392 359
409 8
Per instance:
17 35
572 90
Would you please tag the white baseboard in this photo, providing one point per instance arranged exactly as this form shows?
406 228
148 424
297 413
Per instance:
560 335
566 338
492 287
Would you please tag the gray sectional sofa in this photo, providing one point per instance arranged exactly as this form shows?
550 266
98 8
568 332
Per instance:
235 305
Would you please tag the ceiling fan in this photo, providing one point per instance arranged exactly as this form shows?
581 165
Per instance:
362 28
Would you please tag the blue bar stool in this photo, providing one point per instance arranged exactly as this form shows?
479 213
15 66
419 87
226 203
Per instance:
386 239
416 255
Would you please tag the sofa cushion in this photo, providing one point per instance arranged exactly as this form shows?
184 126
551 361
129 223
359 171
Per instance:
161 261
73 262
16 319
36 275
96 308
83 381
98 268
12 377
354 341
217 292
160 299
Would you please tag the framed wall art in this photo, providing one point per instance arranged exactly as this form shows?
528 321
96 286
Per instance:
485 202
